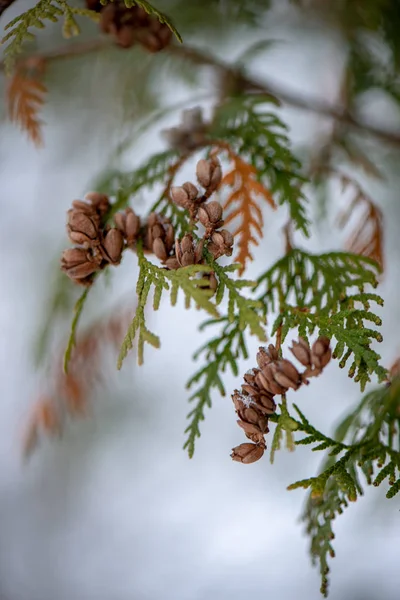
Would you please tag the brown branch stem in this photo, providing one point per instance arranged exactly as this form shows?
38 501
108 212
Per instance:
275 91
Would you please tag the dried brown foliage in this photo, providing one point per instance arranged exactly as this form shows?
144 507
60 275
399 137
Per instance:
367 236
69 393
25 98
243 202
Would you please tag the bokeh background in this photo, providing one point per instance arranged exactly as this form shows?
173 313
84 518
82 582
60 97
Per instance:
115 510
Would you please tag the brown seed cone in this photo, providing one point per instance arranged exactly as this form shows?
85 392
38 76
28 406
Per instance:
209 174
130 25
82 229
249 413
210 215
129 225
159 236
266 381
187 253
286 374
185 195
221 244
112 246
321 352
247 453
99 201
78 263
266 355
301 350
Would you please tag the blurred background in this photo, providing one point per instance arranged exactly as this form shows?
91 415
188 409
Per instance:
115 510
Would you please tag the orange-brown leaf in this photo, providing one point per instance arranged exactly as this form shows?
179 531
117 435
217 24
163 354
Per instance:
243 204
367 236
25 98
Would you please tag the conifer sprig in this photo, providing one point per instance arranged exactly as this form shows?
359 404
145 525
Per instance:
315 281
368 440
50 10
124 185
326 292
194 289
224 349
78 308
218 353
259 137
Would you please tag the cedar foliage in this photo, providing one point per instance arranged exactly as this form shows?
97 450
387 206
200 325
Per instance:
328 294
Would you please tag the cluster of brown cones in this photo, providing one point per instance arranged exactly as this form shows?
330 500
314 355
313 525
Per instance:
274 375
208 214
98 245
130 26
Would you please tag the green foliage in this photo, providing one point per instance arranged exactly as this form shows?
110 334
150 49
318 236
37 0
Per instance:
222 351
284 424
259 137
74 325
124 185
60 303
50 10
225 349
150 275
326 292
366 440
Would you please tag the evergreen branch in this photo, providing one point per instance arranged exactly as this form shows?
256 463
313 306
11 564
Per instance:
226 348
246 311
369 431
259 137
353 338
124 185
314 291
316 281
150 275
50 10
74 325
284 423
220 352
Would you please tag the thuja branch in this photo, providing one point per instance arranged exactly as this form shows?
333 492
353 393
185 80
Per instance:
150 275
226 348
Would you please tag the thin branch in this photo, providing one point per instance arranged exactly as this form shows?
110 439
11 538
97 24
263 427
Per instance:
285 96
249 83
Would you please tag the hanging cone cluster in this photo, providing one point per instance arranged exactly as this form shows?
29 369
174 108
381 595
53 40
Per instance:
208 214
274 375
130 26
97 245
